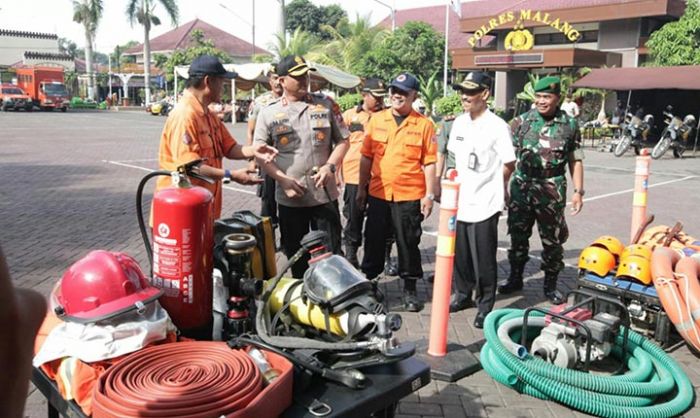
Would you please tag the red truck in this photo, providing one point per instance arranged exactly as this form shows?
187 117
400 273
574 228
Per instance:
45 85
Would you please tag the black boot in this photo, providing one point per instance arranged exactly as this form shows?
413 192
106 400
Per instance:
550 289
390 267
514 282
351 255
411 302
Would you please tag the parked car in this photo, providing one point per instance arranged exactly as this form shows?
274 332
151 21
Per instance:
161 108
14 98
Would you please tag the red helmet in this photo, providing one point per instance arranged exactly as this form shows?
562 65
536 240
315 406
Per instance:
101 285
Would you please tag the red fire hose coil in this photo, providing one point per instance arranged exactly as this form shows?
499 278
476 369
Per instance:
186 379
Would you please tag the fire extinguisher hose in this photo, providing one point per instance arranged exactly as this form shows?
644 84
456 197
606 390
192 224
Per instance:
193 379
139 211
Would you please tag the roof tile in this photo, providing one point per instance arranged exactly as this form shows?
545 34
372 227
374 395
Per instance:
179 38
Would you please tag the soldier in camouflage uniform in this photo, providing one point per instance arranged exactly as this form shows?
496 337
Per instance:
546 141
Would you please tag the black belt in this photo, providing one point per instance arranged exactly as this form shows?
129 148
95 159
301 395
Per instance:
542 173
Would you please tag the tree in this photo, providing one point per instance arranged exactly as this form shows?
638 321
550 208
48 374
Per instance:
350 42
300 43
141 11
198 46
68 47
304 15
415 47
430 91
677 43
88 13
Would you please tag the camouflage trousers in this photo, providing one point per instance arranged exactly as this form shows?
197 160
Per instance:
542 201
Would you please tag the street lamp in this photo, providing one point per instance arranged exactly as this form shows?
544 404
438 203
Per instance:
252 26
393 14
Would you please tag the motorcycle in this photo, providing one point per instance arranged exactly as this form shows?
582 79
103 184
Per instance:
634 133
675 135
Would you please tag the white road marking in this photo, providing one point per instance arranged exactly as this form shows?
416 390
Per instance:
150 171
663 183
631 170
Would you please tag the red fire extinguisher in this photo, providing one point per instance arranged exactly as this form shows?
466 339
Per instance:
182 250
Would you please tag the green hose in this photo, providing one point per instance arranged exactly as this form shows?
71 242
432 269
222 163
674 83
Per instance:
652 375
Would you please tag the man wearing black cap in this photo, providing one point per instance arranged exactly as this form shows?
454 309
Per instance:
309 132
484 159
356 119
266 191
397 171
192 132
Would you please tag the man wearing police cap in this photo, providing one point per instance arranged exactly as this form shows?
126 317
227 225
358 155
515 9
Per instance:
547 141
309 132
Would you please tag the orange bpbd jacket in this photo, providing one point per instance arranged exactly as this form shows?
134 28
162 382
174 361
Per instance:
191 133
356 119
75 379
399 154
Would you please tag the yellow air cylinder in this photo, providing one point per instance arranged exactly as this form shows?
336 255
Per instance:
306 313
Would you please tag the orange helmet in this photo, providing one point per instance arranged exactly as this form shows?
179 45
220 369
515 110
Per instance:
611 243
101 285
597 260
638 250
635 267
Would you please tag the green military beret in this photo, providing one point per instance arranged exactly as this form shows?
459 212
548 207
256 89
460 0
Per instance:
548 84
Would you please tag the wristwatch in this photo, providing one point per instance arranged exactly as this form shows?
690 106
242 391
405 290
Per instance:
581 192
430 197
227 176
331 166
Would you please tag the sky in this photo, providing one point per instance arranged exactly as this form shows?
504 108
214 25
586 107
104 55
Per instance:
56 16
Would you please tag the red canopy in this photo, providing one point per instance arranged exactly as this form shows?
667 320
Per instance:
685 77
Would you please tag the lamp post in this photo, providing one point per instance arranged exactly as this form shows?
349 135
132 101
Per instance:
393 14
252 26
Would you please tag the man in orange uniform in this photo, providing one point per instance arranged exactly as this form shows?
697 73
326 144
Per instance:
398 165
192 132
356 119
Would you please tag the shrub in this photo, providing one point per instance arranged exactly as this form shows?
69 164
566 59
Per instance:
349 100
450 105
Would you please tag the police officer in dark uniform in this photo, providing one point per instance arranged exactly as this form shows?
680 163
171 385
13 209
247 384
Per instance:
547 141
312 139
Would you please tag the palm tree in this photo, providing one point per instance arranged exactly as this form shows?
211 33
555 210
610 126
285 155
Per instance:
88 13
141 11
300 43
430 91
350 42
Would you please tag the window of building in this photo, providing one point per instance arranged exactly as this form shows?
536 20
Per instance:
559 38
649 25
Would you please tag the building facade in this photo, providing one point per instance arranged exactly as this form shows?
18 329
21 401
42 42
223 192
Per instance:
546 36
31 48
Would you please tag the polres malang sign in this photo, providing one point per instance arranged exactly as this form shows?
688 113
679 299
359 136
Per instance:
521 16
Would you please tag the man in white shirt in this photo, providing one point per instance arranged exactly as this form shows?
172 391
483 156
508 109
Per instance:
570 107
485 159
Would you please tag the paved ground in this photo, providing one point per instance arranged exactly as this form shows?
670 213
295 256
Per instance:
68 187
